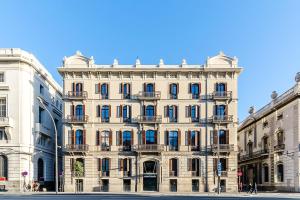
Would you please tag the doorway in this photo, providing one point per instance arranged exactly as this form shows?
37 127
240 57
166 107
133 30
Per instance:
150 176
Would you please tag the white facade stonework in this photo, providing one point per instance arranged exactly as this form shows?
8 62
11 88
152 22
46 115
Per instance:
26 132
128 128
269 141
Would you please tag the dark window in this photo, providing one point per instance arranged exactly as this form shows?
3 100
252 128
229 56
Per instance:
126 114
151 137
149 87
194 113
173 140
173 113
3 135
126 138
220 87
41 89
222 137
79 110
79 137
150 111
266 173
126 91
1 77
195 185
40 174
41 113
105 114
173 185
126 185
195 90
173 91
105 166
280 173
3 166
104 91
220 110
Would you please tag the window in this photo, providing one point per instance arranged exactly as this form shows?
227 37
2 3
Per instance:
195 185
173 91
104 91
171 112
222 137
280 173
194 114
280 116
41 89
266 173
173 140
3 166
2 107
193 140
173 167
126 185
125 90
149 111
173 185
149 88
151 137
42 140
105 113
79 137
41 113
220 111
105 166
105 135
79 110
265 124
126 113
126 138
40 167
194 89
220 89
3 135
1 77
280 138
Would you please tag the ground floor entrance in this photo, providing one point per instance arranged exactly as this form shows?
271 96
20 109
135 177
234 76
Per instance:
150 176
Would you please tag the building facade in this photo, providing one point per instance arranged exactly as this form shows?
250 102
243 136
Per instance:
269 141
149 127
26 131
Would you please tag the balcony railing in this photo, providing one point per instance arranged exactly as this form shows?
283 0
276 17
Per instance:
104 174
224 173
148 95
253 155
99 148
222 119
195 148
148 148
76 119
222 95
126 173
195 173
149 119
76 95
125 148
173 148
77 147
77 174
173 173
223 147
6 121
279 147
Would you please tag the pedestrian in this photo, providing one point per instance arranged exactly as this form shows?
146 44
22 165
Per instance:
255 188
249 188
241 187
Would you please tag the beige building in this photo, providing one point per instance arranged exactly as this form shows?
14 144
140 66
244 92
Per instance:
149 127
269 141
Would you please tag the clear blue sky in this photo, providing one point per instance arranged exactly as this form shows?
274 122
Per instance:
264 35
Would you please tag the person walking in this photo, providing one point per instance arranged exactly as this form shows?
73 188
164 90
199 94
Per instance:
241 187
249 188
255 188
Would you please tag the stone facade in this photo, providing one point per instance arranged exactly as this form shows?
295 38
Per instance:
149 127
269 143
26 132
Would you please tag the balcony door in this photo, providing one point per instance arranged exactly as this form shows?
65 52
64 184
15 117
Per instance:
79 110
151 137
150 182
79 137
149 87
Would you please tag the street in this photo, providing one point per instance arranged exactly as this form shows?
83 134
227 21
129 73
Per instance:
145 197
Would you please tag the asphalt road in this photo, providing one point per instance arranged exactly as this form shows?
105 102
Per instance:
127 197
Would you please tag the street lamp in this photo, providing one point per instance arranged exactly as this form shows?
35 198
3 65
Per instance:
56 158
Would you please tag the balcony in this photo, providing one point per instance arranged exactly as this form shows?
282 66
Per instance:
77 174
222 119
254 155
224 95
76 147
6 122
149 119
195 173
99 148
224 173
40 128
173 148
76 119
223 148
126 173
279 147
194 148
125 148
76 95
172 173
148 148
104 174
148 95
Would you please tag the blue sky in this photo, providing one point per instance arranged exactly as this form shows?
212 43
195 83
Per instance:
263 34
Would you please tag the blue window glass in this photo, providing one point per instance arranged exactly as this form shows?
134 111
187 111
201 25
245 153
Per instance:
104 91
105 113
125 114
220 87
150 111
193 138
220 110
126 92
126 138
173 91
79 110
222 136
78 87
173 140
79 137
151 137
105 165
195 91
149 87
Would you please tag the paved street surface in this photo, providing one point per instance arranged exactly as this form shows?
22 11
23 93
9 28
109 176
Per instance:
267 196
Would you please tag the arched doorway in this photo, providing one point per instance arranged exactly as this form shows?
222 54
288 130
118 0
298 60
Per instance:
40 175
150 182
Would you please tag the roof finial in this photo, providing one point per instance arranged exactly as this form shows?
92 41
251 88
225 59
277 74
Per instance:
221 53
137 61
184 62
161 61
274 95
297 77
78 53
116 62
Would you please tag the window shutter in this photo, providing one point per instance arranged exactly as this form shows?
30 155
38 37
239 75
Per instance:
143 137
225 84
107 89
132 136
84 136
215 137
73 137
226 160
129 89
186 111
170 165
189 110
199 89
154 87
155 110
121 166
83 108
199 138
189 164
120 138
121 111
70 137
189 137
99 88
145 86
109 164
72 164
177 89
215 162
72 110
110 137
190 88
97 138
179 137
166 111
170 89
129 112
226 110
216 87
121 88
118 111
155 137
99 164
167 137
227 136
144 110
98 111
109 108
198 112
73 87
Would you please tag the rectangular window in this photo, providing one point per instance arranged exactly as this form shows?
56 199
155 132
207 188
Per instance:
194 89
41 89
2 107
173 140
195 185
126 185
41 113
2 77
173 185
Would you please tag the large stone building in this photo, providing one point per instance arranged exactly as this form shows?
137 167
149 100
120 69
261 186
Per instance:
26 132
149 127
269 141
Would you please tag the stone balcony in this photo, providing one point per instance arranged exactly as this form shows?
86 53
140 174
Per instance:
76 119
76 95
40 128
148 95
6 122
149 119
76 148
148 148
222 148
225 95
222 119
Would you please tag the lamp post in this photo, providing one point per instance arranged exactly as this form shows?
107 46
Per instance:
56 158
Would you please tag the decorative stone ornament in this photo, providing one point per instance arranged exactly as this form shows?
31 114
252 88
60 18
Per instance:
274 95
251 110
161 62
297 77
116 62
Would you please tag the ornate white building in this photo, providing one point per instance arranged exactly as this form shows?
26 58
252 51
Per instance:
149 127
269 143
26 131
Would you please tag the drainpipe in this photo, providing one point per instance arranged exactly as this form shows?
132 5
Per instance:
206 138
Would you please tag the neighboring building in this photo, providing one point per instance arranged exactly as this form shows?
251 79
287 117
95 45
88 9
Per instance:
143 127
269 143
26 131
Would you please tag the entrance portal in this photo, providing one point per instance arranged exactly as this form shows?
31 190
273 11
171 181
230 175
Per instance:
150 176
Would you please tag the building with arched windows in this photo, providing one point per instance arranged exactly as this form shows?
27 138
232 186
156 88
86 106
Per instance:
150 127
26 131
269 143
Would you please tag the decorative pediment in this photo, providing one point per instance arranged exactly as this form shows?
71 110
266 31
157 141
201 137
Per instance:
78 61
221 61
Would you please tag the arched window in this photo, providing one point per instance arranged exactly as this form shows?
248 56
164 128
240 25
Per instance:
150 111
3 166
151 137
280 137
79 137
280 173
79 110
3 135
40 174
222 137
